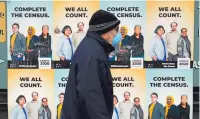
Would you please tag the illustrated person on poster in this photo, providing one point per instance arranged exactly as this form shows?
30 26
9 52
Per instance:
90 74
138 42
44 112
33 106
78 35
19 111
31 40
171 40
17 44
125 45
59 106
65 48
184 45
184 108
171 110
44 43
156 110
116 114
136 110
125 106
157 45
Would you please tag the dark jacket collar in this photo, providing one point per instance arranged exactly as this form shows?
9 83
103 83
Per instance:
107 47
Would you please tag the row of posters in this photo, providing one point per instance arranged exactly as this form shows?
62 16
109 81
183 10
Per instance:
41 29
47 88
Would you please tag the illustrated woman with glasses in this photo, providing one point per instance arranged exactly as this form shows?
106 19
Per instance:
65 49
157 45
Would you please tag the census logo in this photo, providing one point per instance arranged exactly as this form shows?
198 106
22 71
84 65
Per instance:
44 63
136 62
183 63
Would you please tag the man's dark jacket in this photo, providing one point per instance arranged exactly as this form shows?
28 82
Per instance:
89 90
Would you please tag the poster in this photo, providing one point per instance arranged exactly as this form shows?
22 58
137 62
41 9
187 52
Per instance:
61 78
129 84
71 21
36 87
175 83
132 27
29 34
170 37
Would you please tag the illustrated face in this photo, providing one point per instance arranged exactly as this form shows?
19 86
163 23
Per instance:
15 28
137 30
174 26
160 32
137 102
44 102
61 98
80 27
122 31
35 96
114 100
126 96
45 30
22 101
169 100
184 100
184 32
153 98
30 31
67 32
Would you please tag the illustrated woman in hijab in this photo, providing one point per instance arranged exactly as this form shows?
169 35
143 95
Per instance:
157 49
31 40
125 38
171 110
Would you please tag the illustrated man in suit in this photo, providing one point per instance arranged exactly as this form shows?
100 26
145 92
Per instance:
156 110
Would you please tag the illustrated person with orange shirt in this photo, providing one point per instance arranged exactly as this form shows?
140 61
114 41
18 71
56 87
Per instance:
156 110
17 44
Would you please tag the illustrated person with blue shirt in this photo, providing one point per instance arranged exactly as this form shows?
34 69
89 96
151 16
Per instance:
19 111
157 45
115 110
65 49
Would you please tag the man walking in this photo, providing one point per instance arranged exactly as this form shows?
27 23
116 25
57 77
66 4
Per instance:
89 90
